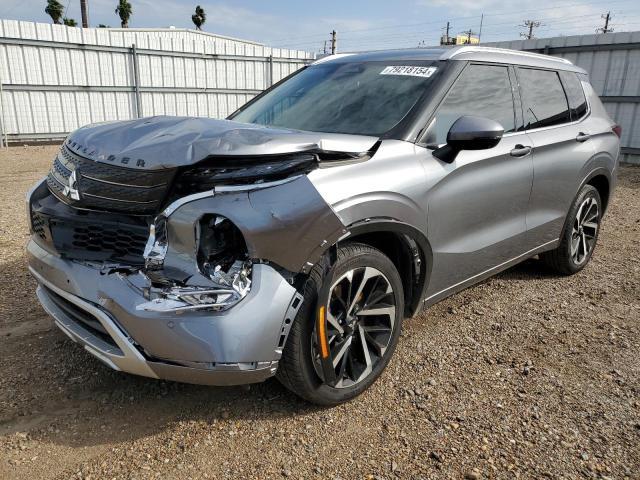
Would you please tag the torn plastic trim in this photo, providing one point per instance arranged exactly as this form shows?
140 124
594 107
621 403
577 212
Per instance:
155 250
328 158
157 244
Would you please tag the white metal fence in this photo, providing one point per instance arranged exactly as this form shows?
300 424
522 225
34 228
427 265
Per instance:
56 78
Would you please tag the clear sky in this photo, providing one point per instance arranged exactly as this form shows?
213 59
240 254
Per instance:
360 24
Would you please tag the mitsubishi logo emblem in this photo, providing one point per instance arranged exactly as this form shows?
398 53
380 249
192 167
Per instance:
71 190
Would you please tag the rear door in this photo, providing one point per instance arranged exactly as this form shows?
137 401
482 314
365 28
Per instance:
477 204
554 109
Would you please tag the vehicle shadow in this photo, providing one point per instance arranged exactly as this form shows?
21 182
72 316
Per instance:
529 269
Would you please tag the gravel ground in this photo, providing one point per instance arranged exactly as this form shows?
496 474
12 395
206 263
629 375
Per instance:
526 375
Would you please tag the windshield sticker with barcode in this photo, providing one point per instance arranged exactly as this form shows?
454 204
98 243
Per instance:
412 71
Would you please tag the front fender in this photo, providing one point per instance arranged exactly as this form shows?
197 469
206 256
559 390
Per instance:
288 224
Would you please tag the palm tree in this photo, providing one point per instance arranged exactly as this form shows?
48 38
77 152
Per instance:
199 17
124 11
55 10
69 22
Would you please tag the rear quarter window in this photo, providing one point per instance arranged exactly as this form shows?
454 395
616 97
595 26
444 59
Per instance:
575 95
544 101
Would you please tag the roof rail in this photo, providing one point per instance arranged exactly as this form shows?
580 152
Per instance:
472 49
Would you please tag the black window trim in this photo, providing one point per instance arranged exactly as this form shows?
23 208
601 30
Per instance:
584 95
559 125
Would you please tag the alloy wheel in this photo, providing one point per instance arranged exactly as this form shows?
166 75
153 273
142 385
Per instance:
584 231
360 318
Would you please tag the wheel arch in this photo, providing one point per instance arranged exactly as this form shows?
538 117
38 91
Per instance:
406 247
600 182
599 174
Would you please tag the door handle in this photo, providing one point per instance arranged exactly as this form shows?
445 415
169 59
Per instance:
582 137
520 151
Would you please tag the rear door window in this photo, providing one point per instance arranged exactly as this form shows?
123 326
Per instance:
575 95
544 101
481 90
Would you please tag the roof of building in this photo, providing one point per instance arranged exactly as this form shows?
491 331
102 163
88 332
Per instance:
460 52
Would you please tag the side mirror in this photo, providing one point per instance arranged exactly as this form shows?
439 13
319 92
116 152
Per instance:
470 133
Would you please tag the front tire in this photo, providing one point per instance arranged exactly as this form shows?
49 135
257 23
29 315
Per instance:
363 298
579 235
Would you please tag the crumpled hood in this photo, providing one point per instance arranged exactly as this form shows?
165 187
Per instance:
165 142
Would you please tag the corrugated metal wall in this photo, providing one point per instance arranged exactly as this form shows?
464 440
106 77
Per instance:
613 63
57 78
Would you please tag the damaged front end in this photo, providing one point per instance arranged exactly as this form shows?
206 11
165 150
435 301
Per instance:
222 257
186 268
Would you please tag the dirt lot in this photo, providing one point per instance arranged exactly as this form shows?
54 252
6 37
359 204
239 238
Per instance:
526 375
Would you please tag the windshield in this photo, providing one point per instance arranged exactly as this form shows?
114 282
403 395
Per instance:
366 98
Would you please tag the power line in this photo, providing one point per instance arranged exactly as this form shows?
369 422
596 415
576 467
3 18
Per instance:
491 28
493 32
551 20
551 23
475 17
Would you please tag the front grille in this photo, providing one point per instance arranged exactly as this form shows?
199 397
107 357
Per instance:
103 186
96 238
89 235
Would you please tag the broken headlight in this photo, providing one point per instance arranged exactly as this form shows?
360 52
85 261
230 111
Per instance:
222 257
221 246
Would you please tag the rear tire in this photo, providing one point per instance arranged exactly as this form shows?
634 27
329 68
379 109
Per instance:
580 234
357 264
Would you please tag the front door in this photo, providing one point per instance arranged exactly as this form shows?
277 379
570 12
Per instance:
477 205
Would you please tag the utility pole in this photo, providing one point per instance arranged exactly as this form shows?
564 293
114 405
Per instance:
334 42
480 32
445 39
530 24
85 13
468 33
324 50
606 28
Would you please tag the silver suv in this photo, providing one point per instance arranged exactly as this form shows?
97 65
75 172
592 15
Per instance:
293 238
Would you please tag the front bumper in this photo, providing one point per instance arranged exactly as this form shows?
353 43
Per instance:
240 345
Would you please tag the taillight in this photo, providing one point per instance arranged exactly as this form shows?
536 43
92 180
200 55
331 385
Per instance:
617 129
